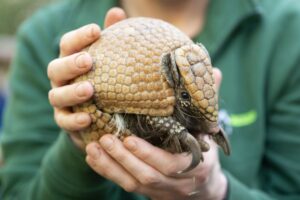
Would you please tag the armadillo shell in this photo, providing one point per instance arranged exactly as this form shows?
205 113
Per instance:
127 73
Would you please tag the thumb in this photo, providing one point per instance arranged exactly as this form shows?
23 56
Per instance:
114 15
218 77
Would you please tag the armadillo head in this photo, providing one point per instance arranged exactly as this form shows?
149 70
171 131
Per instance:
190 73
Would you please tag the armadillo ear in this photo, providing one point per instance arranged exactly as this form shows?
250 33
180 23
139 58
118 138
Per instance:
174 70
166 68
170 70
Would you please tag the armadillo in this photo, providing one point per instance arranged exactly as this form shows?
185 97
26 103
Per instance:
153 81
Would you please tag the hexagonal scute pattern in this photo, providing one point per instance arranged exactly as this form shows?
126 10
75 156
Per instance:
194 65
127 73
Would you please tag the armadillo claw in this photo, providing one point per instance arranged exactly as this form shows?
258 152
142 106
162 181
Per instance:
221 139
203 145
195 149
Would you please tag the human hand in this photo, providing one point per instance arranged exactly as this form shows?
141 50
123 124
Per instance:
71 64
137 166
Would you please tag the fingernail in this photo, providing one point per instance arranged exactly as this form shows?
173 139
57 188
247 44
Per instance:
82 89
107 142
95 153
83 60
94 30
131 144
82 119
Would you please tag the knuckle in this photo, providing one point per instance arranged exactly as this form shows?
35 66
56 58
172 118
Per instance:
117 154
149 179
70 65
201 179
130 186
171 169
145 154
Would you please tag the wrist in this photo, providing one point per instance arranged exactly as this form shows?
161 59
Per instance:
215 187
223 187
218 187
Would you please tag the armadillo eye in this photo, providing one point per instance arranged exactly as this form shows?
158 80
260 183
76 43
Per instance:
185 95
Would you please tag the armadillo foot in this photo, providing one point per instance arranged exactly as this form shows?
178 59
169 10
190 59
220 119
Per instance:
221 139
203 145
178 139
172 144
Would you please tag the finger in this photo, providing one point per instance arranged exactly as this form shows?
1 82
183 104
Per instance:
71 121
218 77
62 70
104 165
149 178
71 95
114 15
144 173
78 39
165 162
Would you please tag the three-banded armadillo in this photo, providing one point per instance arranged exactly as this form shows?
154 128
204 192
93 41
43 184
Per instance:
151 80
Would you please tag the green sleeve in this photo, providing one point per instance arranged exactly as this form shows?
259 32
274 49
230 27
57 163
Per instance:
280 172
279 176
40 161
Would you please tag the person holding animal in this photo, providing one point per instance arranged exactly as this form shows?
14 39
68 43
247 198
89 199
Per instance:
46 158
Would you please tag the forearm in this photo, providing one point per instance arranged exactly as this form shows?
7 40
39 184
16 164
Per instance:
64 173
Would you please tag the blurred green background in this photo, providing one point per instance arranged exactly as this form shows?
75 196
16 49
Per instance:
12 14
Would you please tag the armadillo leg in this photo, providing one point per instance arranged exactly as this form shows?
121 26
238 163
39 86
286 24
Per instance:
175 130
221 139
175 145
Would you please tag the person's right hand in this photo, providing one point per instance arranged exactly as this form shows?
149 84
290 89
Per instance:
71 64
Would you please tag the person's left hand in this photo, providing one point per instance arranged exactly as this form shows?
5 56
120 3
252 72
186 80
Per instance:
139 167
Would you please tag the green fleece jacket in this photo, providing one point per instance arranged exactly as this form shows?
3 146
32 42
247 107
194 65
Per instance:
255 44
